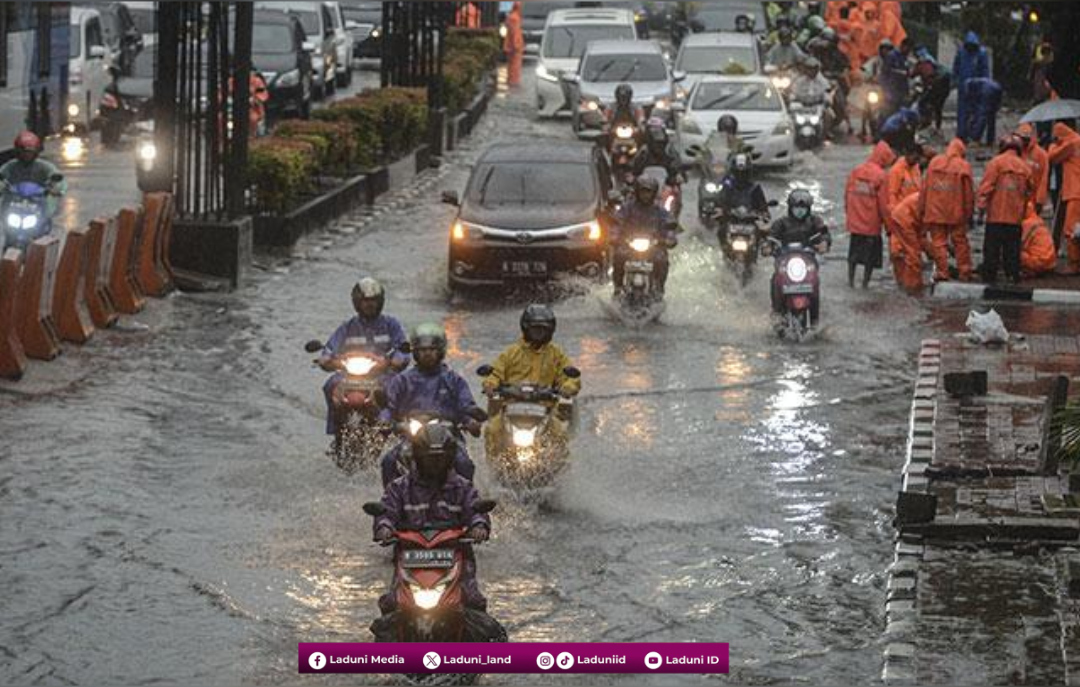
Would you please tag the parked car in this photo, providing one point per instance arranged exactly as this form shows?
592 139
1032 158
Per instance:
122 37
723 52
605 65
282 53
566 35
319 29
764 122
343 46
530 212
88 69
363 18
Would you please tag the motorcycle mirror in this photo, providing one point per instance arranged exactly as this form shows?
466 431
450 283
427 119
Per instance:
482 506
571 372
774 203
374 508
678 76
405 347
485 370
679 108
451 198
313 346
56 178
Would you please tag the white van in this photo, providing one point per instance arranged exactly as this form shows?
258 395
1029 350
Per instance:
566 34
343 45
88 68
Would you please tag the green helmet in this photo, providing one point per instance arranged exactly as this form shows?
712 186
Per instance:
815 24
429 335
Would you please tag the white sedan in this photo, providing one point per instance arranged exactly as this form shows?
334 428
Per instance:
763 118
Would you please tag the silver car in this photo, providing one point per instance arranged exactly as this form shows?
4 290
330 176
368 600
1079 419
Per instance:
604 66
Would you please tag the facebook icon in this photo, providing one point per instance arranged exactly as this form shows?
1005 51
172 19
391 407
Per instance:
317 661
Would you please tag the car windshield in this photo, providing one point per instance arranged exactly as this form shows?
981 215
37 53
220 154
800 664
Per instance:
538 185
145 20
722 17
608 68
272 39
717 60
309 20
735 96
570 41
540 10
363 12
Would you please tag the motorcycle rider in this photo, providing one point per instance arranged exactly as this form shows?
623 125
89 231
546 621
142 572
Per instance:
740 190
809 86
720 146
658 152
643 214
430 386
381 334
785 54
800 225
27 166
432 495
624 111
836 67
533 359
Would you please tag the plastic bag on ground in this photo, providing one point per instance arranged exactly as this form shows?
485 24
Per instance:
987 327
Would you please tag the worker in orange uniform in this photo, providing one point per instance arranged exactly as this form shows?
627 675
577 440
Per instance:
869 39
1037 253
905 244
1006 189
514 45
905 176
866 206
946 204
468 16
1065 151
891 26
1039 161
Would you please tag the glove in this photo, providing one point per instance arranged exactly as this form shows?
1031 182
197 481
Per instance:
478 533
472 427
384 534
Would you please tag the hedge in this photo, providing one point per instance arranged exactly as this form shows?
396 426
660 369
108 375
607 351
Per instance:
280 171
470 55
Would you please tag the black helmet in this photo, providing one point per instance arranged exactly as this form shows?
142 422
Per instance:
426 336
727 124
799 204
785 34
624 93
433 451
646 186
742 166
538 324
368 289
656 131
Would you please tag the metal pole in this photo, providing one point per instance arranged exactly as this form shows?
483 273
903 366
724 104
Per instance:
241 108
168 21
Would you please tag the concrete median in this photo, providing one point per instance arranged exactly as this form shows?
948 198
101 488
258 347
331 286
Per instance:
101 242
12 356
69 311
127 296
151 273
33 310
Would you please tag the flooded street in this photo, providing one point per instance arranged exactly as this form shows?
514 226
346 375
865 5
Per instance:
175 519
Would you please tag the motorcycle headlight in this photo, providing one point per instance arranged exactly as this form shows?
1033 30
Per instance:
740 245
814 119
543 73
640 245
781 83
289 79
73 148
503 32
359 365
800 119
873 97
376 32
590 105
147 151
662 104
796 269
669 203
523 437
29 221
415 426
14 221
710 187
73 110
624 132
427 599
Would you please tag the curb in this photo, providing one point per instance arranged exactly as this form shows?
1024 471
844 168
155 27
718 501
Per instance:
965 291
903 576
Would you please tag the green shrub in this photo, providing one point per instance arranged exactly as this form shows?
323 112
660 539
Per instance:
335 145
470 55
280 171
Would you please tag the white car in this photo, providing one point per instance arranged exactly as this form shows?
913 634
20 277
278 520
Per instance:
88 69
724 52
343 45
764 122
566 35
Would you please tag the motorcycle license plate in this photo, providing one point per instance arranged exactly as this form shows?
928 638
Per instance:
524 268
428 558
797 288
639 266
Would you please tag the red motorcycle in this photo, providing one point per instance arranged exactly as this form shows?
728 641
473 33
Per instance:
796 286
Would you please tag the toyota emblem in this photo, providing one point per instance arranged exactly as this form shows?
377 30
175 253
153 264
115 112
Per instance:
524 237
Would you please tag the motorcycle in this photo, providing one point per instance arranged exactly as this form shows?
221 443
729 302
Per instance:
408 429
741 239
532 446
430 598
25 211
356 402
640 299
872 107
622 147
796 287
781 79
809 124
118 112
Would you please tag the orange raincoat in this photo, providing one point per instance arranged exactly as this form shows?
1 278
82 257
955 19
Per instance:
1040 164
869 38
891 26
946 203
1006 189
514 45
1037 254
866 195
1065 151
904 179
905 243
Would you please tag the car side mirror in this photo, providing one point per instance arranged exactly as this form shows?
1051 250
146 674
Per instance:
451 198
571 372
483 505
313 346
97 52
678 76
485 370
374 508
307 46
571 78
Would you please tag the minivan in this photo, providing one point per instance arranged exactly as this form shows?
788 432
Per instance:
319 26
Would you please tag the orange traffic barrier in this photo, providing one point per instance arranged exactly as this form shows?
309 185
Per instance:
150 272
12 356
101 241
33 314
127 297
69 311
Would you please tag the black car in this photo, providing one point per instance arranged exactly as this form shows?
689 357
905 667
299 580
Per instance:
531 212
281 53
363 18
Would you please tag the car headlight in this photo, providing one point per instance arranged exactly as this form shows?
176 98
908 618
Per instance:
662 104
782 128
376 32
689 126
524 438
710 187
415 426
359 365
73 110
14 221
624 132
640 245
796 269
427 599
594 232
543 73
461 231
288 79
